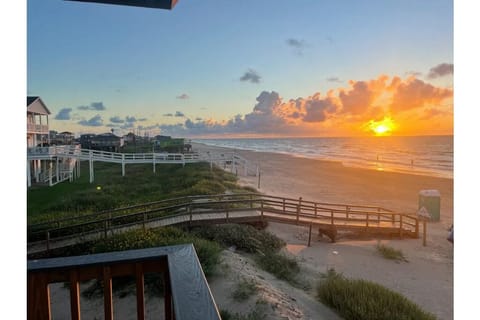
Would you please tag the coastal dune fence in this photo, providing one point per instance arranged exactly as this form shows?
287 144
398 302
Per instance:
225 208
228 161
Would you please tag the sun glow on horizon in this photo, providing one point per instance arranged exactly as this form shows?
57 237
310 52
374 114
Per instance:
383 127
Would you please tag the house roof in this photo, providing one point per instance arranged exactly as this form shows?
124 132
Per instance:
36 105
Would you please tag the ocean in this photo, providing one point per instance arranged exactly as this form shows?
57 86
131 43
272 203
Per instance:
424 155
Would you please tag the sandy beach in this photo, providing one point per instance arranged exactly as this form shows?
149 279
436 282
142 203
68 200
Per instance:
427 277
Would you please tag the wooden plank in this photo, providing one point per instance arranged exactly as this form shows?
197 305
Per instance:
74 295
39 297
107 294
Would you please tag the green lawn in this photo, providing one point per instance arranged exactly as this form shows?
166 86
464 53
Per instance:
111 190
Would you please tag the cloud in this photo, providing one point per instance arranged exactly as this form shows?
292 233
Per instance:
251 76
183 96
98 106
95 121
64 114
317 110
297 45
116 119
357 99
415 93
440 70
179 114
343 108
130 119
334 79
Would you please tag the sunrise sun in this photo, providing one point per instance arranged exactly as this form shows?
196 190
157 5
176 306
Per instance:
383 127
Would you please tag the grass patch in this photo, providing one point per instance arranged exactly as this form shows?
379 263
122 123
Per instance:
280 265
257 313
244 289
365 300
139 185
244 237
391 253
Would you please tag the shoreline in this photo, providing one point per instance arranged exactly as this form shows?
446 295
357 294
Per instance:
376 161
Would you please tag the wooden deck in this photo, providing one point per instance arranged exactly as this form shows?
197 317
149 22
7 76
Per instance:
326 218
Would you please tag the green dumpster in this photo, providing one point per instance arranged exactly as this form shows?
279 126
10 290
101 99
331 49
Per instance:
430 200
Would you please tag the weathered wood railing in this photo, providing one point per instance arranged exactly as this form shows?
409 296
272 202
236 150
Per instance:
192 209
186 294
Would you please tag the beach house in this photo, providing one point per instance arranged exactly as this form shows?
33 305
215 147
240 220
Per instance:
37 122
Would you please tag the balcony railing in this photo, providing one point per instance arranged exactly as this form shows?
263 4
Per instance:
187 294
37 128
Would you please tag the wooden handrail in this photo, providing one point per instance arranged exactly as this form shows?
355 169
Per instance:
186 288
188 206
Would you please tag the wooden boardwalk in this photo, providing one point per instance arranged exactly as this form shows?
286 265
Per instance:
326 218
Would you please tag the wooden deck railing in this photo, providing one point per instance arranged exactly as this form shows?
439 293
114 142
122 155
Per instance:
193 209
186 294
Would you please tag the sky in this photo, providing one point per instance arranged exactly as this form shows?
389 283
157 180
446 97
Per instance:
216 68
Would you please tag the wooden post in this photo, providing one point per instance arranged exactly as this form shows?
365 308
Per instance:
39 299
367 219
424 232
74 295
283 205
348 211
258 179
140 291
251 201
29 178
123 165
401 226
416 228
107 293
331 217
57 171
50 174
261 206
315 209
105 228
48 241
298 208
309 234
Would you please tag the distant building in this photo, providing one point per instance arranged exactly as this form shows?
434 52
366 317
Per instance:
37 122
105 141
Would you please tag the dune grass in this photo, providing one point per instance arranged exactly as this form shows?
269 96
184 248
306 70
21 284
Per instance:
391 253
139 185
364 300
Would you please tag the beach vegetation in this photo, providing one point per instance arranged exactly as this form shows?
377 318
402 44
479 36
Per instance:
391 253
139 185
357 299
258 312
242 237
244 289
280 265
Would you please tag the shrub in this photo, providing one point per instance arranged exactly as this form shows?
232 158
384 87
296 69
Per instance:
243 237
391 253
244 290
280 265
364 300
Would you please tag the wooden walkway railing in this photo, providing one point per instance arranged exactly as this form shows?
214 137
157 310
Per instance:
186 295
224 208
